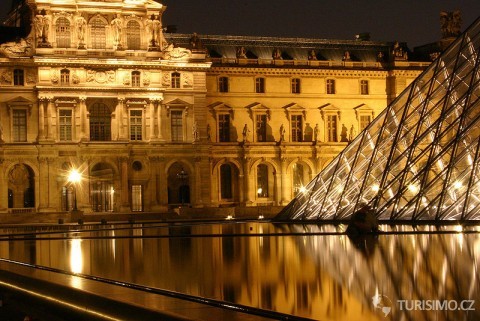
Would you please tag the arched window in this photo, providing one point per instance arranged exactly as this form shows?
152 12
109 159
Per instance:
100 119
175 80
62 31
64 77
133 35
298 178
98 34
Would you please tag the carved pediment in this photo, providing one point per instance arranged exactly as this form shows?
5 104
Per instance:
363 110
258 108
329 109
295 109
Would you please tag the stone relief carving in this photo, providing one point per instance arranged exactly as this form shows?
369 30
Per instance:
166 80
75 78
6 77
31 76
176 53
146 78
101 76
126 79
187 80
20 48
54 76
450 23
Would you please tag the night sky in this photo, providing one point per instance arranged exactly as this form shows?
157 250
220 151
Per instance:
413 21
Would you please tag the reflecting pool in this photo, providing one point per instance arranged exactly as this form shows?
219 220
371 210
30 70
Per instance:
313 271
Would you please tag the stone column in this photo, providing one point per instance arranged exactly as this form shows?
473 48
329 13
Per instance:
284 182
53 197
125 205
120 115
49 119
158 107
41 119
43 190
248 184
3 189
278 188
83 118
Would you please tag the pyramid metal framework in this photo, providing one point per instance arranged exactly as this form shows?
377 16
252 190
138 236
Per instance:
419 159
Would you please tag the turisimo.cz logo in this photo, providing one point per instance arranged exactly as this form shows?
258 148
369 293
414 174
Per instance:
383 303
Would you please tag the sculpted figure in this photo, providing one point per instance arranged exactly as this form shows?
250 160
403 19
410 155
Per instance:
117 25
81 26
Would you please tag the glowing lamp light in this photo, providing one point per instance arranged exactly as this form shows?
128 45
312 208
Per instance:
457 185
74 176
229 217
303 190
375 188
413 188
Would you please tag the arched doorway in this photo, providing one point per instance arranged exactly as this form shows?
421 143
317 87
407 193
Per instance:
102 188
178 185
21 187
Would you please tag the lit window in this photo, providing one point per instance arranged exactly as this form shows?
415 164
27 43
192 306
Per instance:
98 34
223 84
261 127
364 87
65 77
62 31
262 180
332 128
135 78
175 80
135 125
224 127
260 85
330 86
297 128
297 179
295 85
65 124
176 124
137 198
18 77
133 35
19 125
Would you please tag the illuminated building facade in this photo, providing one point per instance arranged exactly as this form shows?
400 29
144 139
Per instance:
154 120
419 160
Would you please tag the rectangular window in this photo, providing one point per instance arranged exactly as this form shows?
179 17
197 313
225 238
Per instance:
261 128
176 124
260 85
19 125
65 77
332 128
364 121
223 84
330 86
262 180
135 125
137 198
18 77
135 78
297 128
295 86
364 87
65 124
175 80
224 128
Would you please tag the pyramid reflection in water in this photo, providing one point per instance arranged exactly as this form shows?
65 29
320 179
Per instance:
419 159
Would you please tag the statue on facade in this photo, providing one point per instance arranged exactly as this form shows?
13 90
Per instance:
117 25
42 27
245 133
343 134
282 133
195 42
312 55
154 28
316 131
277 54
19 48
81 27
241 53
346 56
398 52
195 133
352 133
450 23
209 133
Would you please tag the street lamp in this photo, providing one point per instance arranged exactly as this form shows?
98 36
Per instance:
74 177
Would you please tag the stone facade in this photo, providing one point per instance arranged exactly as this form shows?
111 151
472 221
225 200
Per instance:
154 120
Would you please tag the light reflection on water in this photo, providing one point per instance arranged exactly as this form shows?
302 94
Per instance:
313 271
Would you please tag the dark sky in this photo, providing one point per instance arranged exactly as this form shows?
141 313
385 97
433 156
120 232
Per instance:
413 21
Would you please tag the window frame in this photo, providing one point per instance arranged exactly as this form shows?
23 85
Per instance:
63 32
331 86
62 126
175 80
260 85
19 138
64 77
223 84
135 124
364 87
135 76
296 85
18 77
134 35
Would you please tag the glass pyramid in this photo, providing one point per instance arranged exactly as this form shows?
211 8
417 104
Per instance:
419 159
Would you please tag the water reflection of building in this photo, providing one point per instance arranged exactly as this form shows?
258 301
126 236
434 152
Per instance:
101 87
324 276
